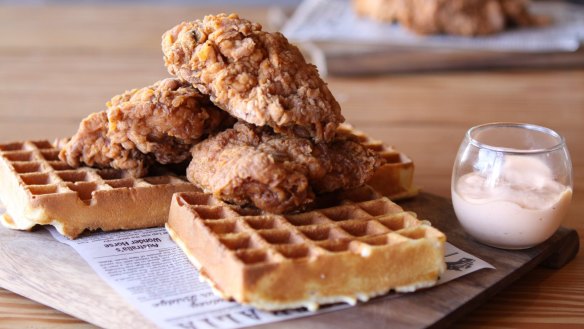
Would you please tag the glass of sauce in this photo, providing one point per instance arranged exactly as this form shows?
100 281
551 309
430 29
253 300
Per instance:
511 184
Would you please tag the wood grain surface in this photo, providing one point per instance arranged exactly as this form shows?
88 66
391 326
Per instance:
60 63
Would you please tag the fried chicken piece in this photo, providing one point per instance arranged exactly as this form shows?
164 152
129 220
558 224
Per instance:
155 124
91 146
517 13
164 119
256 76
456 17
252 165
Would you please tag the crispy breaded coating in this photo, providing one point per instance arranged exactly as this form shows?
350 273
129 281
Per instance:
164 119
92 147
256 76
456 17
248 165
154 124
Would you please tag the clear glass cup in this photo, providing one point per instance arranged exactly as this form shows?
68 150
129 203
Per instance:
511 184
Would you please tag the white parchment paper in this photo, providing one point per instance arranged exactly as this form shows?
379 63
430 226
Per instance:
335 20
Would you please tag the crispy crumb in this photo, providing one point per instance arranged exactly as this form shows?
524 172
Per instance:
248 165
257 76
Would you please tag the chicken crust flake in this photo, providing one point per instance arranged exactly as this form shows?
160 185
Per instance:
248 165
257 76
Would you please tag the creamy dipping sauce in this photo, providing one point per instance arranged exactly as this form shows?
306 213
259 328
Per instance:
522 208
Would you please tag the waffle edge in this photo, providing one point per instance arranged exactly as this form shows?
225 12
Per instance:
39 189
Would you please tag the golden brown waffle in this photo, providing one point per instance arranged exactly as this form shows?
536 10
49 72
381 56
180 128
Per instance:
395 178
38 188
363 247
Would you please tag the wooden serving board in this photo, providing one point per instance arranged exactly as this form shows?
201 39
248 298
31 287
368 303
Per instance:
40 268
350 60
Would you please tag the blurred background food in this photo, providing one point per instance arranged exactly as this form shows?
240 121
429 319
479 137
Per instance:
377 36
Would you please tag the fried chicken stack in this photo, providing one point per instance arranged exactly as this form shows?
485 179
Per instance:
456 17
281 153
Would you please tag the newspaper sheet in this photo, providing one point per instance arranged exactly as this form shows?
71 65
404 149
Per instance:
152 273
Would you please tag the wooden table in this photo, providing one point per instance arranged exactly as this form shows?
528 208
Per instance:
58 64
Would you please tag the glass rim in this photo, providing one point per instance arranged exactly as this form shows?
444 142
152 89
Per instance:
550 132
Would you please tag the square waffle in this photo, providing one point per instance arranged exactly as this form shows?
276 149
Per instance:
394 179
359 248
36 187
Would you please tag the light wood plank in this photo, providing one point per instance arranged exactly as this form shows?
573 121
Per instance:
17 312
63 279
103 29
